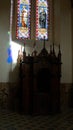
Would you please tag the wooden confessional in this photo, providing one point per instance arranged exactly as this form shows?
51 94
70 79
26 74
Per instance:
40 82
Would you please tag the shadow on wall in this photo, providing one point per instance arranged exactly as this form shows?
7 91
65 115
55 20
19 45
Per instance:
71 97
14 74
15 91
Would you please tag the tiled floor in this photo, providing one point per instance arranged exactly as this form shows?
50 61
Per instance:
14 121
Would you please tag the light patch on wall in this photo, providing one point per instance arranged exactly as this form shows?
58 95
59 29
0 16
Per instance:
15 47
9 49
9 52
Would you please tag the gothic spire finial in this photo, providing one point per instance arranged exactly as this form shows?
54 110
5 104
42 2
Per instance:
59 54
53 49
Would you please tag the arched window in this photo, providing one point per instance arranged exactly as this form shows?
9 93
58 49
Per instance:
33 19
23 19
42 18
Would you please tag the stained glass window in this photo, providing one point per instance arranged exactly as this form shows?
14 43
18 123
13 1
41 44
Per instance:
23 19
42 19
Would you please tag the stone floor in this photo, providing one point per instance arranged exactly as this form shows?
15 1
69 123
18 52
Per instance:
14 121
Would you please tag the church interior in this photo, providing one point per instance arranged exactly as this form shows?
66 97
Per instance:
36 80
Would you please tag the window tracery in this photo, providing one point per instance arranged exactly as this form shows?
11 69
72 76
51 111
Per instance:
40 24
